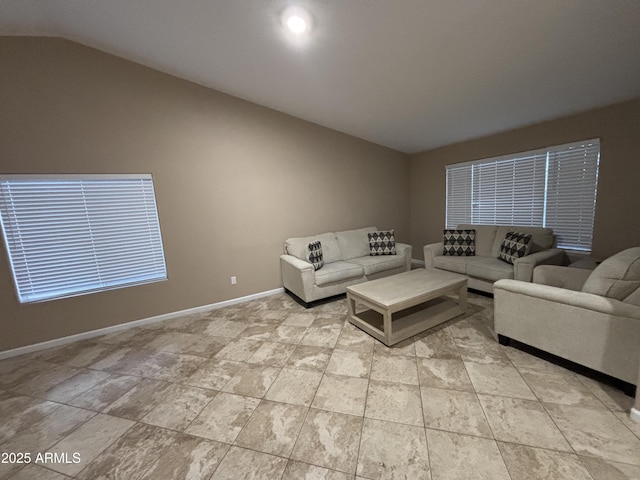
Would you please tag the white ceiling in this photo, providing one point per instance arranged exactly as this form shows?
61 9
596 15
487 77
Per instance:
408 74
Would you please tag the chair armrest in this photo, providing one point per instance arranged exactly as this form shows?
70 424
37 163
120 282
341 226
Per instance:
430 251
407 251
562 277
298 276
588 301
523 267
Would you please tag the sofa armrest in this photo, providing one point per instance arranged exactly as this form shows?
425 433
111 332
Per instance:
430 251
523 267
562 296
562 277
298 276
407 251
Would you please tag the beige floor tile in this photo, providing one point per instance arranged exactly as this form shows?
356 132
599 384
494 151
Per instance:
606 470
342 394
449 373
391 450
195 344
105 392
239 350
436 343
252 380
596 433
527 463
294 386
19 413
456 457
395 369
223 418
178 408
304 471
522 421
454 411
562 388
140 400
169 367
496 379
243 463
405 348
288 334
310 358
328 320
299 320
271 353
188 458
89 440
48 379
31 472
321 337
259 332
131 455
351 363
525 360
353 339
214 374
630 424
614 399
338 450
273 428
394 402
75 385
221 327
76 354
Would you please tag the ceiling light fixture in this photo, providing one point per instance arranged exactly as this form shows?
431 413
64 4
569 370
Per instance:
297 20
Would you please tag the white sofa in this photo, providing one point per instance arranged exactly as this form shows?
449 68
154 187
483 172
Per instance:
347 261
485 267
588 317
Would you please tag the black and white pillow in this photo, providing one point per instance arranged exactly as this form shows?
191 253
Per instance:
459 242
514 246
382 243
315 255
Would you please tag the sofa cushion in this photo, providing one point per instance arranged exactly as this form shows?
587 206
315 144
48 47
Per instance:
459 242
541 237
315 255
382 243
354 243
299 247
452 264
485 236
617 277
514 246
338 272
376 264
489 268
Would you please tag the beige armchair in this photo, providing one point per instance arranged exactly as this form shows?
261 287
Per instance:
591 318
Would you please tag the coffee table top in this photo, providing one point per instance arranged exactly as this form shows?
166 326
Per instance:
403 287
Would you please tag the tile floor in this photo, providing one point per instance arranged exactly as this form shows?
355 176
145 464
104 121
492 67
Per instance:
269 390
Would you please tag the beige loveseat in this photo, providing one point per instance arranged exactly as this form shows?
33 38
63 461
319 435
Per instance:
484 268
347 261
588 317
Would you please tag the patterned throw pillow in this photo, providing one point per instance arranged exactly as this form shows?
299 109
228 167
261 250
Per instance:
315 255
382 243
459 243
514 246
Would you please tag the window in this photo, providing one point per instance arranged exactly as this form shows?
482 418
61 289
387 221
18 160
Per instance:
76 234
554 187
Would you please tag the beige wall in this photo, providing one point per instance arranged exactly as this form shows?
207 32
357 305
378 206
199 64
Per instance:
618 202
232 179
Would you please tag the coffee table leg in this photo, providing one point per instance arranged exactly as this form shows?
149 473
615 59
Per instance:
351 305
386 318
462 297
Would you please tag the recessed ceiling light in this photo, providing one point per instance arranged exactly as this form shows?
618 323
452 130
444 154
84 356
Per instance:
297 20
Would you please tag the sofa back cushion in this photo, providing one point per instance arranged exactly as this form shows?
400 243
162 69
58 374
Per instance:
485 237
617 277
354 243
541 237
299 247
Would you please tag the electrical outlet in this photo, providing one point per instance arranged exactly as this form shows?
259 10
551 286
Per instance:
234 280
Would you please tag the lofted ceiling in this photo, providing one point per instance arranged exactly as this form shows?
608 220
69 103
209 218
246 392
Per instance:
408 74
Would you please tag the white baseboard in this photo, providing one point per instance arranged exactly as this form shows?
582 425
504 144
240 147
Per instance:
135 323
635 415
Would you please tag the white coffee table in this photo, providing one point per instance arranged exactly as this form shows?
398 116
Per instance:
403 305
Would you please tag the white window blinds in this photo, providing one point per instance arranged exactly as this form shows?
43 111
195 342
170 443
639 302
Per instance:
70 235
554 187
